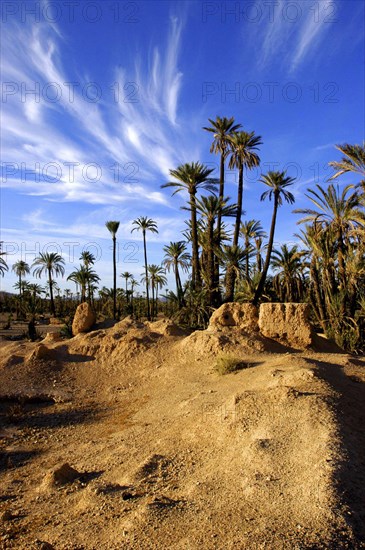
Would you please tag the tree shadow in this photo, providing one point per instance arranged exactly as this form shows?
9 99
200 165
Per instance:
349 406
15 459
43 413
46 419
64 355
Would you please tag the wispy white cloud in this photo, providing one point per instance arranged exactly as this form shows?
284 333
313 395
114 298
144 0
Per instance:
311 32
142 137
293 32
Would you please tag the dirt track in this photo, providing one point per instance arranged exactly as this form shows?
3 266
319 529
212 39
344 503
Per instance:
171 455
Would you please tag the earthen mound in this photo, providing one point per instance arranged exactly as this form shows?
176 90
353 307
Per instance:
288 323
232 314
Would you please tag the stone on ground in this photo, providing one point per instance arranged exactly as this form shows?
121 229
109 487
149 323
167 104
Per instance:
84 319
61 475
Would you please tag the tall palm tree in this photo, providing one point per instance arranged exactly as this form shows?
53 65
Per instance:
3 264
85 277
352 161
321 253
52 264
21 269
232 258
157 279
133 284
289 266
88 259
126 275
191 178
243 156
112 227
338 211
35 289
277 182
221 128
251 230
209 208
145 224
176 256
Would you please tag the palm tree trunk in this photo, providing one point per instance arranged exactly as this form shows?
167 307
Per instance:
262 281
230 282
219 226
146 275
342 271
211 285
53 309
114 279
178 283
317 294
247 244
258 254
195 248
153 298
221 196
239 205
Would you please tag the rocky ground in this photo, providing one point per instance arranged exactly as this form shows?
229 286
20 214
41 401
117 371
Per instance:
127 437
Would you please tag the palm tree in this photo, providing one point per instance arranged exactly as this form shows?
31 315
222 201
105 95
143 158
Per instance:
209 207
277 183
232 258
352 161
35 289
133 284
112 227
221 128
157 279
251 230
289 281
21 286
192 177
3 264
126 275
145 224
50 263
21 269
243 155
175 257
88 258
85 277
337 211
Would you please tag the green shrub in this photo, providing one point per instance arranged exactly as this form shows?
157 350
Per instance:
228 363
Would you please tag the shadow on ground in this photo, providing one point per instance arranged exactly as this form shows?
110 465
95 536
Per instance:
350 412
15 459
43 414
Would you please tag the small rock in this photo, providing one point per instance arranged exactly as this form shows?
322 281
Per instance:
84 319
62 475
42 352
7 516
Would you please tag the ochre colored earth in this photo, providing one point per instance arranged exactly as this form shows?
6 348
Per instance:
127 437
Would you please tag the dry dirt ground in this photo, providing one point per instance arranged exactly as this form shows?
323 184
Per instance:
170 455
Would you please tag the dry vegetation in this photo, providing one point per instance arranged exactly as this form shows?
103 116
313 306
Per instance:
162 452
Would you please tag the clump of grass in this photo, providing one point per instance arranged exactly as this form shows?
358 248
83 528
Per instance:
228 363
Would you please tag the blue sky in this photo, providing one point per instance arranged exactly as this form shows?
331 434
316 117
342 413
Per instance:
100 99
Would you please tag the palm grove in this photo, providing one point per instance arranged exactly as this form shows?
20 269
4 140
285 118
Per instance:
227 258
